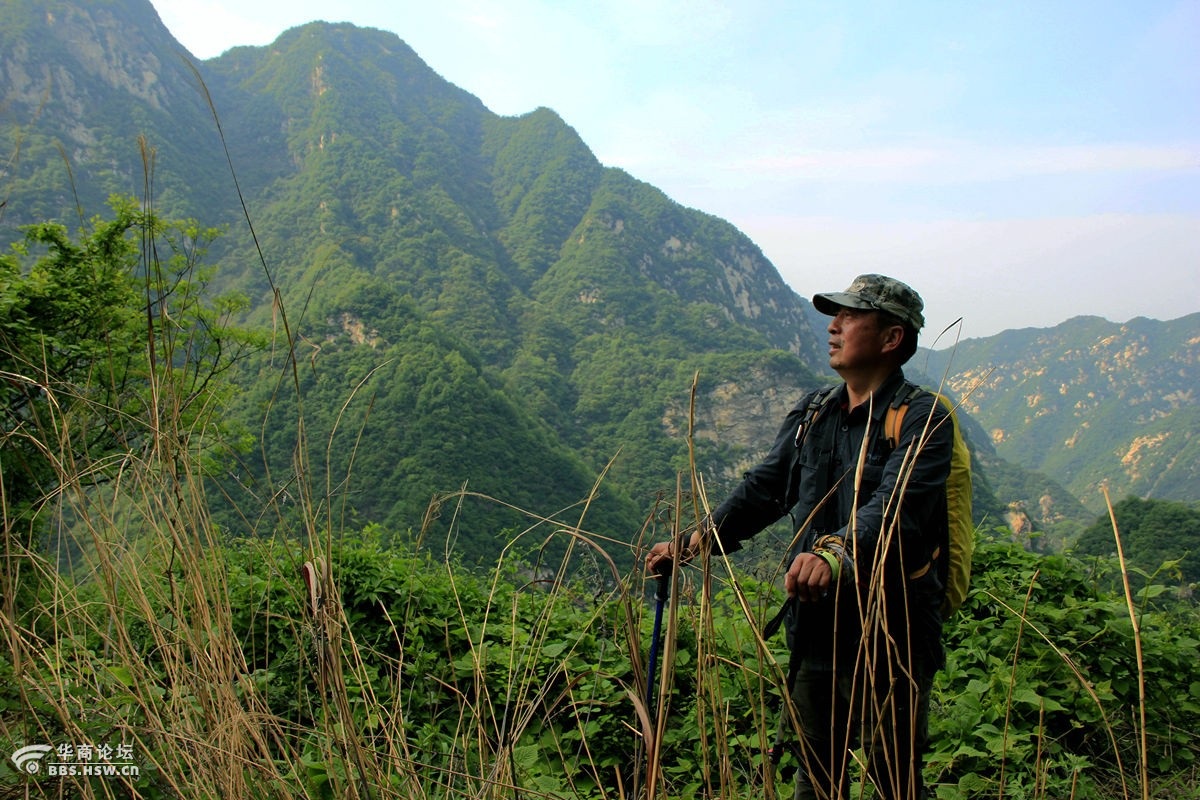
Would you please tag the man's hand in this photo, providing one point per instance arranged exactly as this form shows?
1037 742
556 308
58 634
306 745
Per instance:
809 578
660 556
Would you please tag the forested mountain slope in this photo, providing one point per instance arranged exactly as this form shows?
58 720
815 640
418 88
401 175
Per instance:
474 299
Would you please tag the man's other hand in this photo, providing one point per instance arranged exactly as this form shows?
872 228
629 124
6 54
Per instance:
660 556
809 578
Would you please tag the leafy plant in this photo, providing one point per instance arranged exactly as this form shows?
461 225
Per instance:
1042 676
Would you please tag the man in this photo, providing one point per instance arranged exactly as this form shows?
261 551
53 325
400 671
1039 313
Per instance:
872 524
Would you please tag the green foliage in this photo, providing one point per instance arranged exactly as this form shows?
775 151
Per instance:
69 315
392 421
437 676
1160 538
543 179
1041 678
465 670
69 144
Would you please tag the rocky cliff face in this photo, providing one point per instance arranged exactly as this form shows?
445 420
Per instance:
740 417
95 97
1094 403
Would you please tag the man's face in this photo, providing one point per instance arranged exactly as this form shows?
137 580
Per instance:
856 339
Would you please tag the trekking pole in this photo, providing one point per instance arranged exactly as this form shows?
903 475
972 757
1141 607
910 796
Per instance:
632 776
661 595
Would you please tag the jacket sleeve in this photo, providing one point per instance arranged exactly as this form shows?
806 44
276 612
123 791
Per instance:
899 518
765 493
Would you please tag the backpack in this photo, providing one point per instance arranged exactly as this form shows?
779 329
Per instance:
961 524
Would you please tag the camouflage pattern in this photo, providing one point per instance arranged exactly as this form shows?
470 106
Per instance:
877 292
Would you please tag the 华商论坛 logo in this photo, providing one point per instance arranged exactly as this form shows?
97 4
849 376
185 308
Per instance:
29 758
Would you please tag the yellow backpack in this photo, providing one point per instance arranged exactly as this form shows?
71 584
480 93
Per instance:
958 501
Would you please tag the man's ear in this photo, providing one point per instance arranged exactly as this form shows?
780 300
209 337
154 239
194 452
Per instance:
893 336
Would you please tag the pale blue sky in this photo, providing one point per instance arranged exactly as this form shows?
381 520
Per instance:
1019 163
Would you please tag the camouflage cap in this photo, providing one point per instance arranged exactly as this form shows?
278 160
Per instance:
877 292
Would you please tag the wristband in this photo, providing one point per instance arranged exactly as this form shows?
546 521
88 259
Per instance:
835 566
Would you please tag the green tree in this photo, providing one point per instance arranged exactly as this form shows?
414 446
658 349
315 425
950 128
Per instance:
109 341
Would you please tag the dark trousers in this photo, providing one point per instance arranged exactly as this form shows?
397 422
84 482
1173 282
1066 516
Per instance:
888 716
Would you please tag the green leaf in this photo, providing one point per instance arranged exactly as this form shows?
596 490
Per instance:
122 674
525 756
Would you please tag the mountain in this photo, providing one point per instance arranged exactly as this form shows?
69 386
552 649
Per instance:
1093 403
584 296
474 299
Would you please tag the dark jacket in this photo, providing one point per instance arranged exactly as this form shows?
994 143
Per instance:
895 530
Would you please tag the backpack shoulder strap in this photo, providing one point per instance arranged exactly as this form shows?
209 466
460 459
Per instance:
817 403
894 418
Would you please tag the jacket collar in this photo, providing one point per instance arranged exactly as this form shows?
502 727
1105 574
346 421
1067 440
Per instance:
882 397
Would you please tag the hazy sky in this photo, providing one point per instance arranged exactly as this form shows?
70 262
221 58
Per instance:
1019 163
